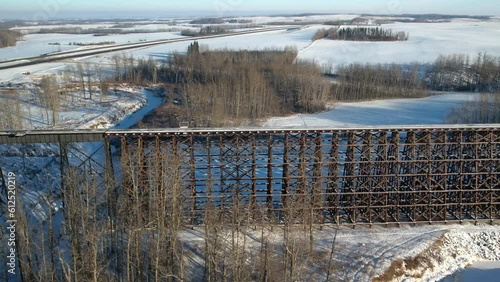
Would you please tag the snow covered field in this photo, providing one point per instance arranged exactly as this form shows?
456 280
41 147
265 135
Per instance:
33 44
266 40
431 110
38 44
299 19
427 41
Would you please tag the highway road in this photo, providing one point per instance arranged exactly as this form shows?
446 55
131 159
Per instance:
27 61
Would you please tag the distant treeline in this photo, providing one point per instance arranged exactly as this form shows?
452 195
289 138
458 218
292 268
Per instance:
101 31
123 25
428 16
208 21
462 73
219 21
240 21
358 82
11 24
207 30
59 22
361 34
457 72
295 23
433 16
9 37
216 88
338 22
92 43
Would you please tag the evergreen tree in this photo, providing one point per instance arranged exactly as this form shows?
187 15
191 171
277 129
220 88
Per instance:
194 48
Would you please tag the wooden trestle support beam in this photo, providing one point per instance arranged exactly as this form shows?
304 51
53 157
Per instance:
340 176
366 176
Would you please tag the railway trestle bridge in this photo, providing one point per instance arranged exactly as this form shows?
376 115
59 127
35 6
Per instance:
354 176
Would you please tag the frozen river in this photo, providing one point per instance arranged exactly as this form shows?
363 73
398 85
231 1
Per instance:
430 110
152 102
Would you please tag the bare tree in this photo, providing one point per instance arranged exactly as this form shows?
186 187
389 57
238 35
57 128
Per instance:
88 73
67 80
10 115
81 75
50 96
118 67
103 84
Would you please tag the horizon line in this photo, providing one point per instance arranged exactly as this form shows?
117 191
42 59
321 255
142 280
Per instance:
210 13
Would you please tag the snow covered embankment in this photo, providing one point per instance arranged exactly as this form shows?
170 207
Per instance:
454 250
117 111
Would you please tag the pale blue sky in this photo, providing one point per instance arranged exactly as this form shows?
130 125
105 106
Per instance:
157 8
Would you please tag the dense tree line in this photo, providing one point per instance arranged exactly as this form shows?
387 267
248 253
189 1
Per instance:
358 82
448 73
461 73
9 37
361 34
208 21
337 22
123 25
12 23
207 30
100 31
221 87
241 21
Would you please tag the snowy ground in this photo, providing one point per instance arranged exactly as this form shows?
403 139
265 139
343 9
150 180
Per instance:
267 40
38 44
78 113
299 19
362 254
33 44
427 41
431 110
